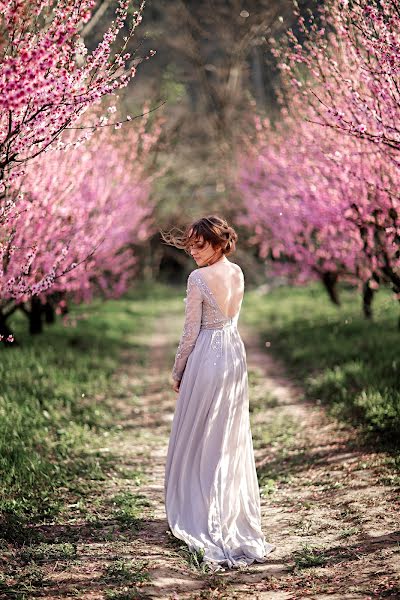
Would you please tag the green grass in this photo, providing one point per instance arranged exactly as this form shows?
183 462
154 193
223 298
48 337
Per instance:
57 388
122 571
350 364
48 552
129 509
55 396
307 557
128 574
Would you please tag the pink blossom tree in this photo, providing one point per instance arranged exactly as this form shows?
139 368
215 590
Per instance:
294 198
83 209
348 64
321 189
48 79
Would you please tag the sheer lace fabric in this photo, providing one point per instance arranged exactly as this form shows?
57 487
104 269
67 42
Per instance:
202 311
211 489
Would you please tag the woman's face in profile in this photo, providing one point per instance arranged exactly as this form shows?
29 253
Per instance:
201 251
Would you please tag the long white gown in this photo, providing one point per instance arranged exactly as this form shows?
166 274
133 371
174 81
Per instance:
212 495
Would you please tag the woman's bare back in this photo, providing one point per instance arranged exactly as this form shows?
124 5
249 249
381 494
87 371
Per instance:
226 282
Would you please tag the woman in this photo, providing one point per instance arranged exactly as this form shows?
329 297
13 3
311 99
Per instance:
212 496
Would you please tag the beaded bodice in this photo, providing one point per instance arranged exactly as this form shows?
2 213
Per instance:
202 312
212 316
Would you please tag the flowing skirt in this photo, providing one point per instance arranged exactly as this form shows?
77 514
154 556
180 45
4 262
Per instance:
212 495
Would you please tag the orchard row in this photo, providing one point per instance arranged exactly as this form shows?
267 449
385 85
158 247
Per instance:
74 185
321 183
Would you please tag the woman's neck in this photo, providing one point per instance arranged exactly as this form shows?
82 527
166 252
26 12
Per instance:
213 261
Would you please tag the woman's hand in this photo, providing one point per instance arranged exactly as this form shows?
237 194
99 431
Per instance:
176 385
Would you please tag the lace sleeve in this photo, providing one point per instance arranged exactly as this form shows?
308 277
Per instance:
191 328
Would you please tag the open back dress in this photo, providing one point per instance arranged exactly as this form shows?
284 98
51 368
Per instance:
212 497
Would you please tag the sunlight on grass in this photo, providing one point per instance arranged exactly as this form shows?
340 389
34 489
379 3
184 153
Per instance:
350 364
55 398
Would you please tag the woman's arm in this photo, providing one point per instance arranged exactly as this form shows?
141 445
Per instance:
191 328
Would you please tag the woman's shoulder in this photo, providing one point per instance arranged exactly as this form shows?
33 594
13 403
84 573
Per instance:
237 270
234 267
193 273
231 265
194 278
237 267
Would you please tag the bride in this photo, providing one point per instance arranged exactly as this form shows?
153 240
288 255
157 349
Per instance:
212 497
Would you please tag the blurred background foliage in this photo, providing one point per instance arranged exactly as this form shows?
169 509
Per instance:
212 69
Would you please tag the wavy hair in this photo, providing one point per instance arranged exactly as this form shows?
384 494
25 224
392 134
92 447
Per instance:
212 229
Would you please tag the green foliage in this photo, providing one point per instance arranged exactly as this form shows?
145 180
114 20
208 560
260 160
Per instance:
343 360
122 571
308 557
195 558
280 431
172 90
129 508
48 552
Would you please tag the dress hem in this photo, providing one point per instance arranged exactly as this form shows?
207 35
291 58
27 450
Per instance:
230 563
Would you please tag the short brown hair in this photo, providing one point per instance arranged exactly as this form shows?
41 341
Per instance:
212 228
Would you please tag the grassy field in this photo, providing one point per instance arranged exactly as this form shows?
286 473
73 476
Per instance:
54 399
342 360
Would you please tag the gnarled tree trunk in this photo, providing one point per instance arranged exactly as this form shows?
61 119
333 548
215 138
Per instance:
330 279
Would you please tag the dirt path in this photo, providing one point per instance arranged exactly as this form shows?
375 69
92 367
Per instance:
330 506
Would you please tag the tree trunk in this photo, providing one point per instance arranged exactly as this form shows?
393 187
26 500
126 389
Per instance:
258 76
368 296
35 316
49 313
330 280
395 280
5 331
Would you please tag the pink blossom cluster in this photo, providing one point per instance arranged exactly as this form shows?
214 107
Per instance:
320 185
315 209
82 210
9 338
352 57
48 79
